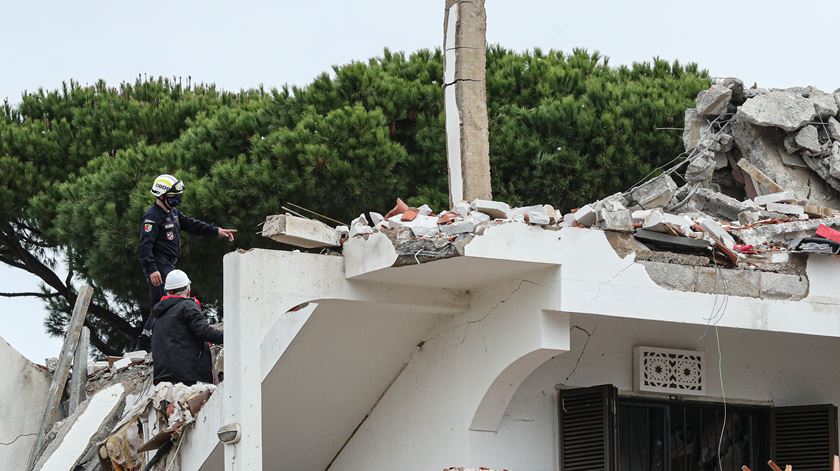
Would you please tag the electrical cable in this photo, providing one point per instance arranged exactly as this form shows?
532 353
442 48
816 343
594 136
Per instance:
723 395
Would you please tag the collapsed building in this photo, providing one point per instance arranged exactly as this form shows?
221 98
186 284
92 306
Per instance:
688 322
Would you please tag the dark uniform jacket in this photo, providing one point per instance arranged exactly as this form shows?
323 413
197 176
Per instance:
160 237
179 342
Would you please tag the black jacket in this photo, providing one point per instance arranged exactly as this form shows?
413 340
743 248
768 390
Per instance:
179 342
160 236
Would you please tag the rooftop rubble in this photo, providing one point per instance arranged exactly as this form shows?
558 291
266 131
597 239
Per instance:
759 184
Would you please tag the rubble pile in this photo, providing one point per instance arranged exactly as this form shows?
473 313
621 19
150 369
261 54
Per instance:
147 423
760 178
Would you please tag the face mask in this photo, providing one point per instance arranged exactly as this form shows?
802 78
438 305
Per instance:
173 200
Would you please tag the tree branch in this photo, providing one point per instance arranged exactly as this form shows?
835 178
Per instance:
29 294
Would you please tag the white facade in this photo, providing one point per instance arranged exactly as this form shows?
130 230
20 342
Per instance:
456 362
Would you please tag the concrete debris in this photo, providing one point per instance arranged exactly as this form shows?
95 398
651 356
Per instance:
717 232
494 209
833 129
586 216
778 109
615 218
784 231
701 167
714 101
300 232
376 218
656 193
539 218
824 104
762 174
659 221
780 197
694 127
786 208
807 139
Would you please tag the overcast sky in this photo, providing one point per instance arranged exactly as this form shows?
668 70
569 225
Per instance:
246 43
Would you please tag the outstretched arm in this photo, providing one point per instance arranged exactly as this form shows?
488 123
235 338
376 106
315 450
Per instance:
197 226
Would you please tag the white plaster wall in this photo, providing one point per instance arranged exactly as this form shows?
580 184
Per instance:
23 389
417 427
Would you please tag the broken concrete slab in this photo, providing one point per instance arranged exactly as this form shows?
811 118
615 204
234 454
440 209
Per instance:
656 193
784 231
586 216
717 204
784 208
808 139
712 228
77 431
300 232
833 129
657 220
713 101
780 197
494 209
779 109
461 227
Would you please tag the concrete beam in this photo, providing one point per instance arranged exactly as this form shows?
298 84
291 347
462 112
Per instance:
300 232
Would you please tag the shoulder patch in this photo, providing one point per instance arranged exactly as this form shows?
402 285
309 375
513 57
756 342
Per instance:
148 227
149 221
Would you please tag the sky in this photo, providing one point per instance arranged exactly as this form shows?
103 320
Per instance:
248 43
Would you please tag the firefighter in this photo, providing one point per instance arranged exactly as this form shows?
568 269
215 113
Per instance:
180 335
160 240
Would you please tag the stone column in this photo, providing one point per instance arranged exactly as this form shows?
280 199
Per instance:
465 95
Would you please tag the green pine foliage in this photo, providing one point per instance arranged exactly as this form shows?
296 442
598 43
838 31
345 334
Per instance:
76 164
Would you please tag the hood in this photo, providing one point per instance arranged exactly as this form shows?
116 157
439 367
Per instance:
167 302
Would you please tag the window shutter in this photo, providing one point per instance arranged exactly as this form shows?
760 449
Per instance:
804 437
587 429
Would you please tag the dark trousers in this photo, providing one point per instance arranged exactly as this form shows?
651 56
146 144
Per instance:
144 341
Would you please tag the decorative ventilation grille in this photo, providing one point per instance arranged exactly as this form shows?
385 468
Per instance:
669 371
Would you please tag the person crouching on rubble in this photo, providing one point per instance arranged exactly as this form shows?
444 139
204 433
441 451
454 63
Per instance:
180 335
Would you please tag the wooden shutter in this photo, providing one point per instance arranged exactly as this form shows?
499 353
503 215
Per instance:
587 429
804 437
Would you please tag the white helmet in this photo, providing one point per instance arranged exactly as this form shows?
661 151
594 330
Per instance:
167 184
176 280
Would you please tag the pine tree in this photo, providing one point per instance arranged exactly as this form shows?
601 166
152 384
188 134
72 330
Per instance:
76 164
